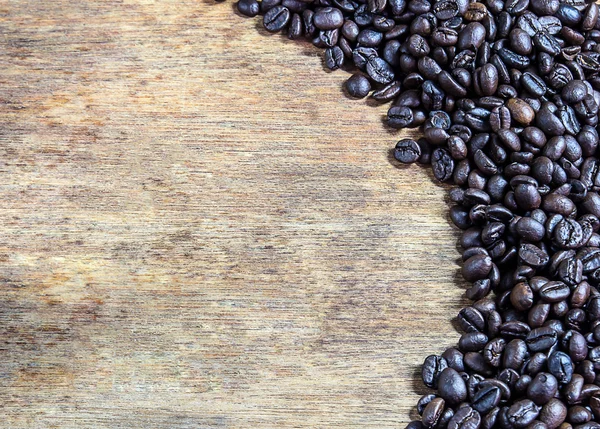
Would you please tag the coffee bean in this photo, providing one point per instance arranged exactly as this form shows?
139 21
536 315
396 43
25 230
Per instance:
465 418
379 71
423 402
407 151
492 352
431 370
477 268
452 387
328 18
334 58
443 165
553 413
486 399
276 18
249 8
471 320
472 342
522 413
542 388
520 111
358 86
541 338
432 412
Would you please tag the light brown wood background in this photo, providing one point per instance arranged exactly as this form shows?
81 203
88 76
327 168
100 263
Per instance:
199 230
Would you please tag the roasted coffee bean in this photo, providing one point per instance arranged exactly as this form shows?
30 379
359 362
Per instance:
477 267
544 7
465 418
407 151
547 43
452 387
276 18
553 413
572 391
522 413
423 401
249 8
266 5
561 366
520 111
520 41
328 18
472 342
540 339
574 91
388 92
379 70
471 320
492 352
358 86
471 37
454 359
542 388
486 398
443 165
533 84
444 36
334 58
431 370
515 354
475 12
432 413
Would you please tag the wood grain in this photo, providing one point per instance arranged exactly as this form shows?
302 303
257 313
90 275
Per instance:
199 230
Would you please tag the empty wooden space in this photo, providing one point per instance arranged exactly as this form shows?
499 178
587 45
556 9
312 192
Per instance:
200 230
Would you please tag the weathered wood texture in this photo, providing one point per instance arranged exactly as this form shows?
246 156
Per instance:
199 230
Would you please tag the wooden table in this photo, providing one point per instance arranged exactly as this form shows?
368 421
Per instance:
199 230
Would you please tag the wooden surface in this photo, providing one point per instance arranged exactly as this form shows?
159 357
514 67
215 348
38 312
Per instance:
199 230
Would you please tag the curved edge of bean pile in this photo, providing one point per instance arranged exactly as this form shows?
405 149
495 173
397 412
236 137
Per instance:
507 95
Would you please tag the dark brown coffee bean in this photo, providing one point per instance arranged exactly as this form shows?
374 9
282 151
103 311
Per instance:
471 320
358 86
553 413
276 18
431 369
486 398
572 391
522 413
515 353
477 268
520 41
452 387
249 8
388 92
432 412
443 165
379 70
472 342
471 37
454 358
540 339
407 151
328 18
542 388
465 418
492 352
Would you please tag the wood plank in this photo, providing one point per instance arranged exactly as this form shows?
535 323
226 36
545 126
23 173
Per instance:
200 230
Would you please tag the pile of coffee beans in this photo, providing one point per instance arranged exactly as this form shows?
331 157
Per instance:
507 95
